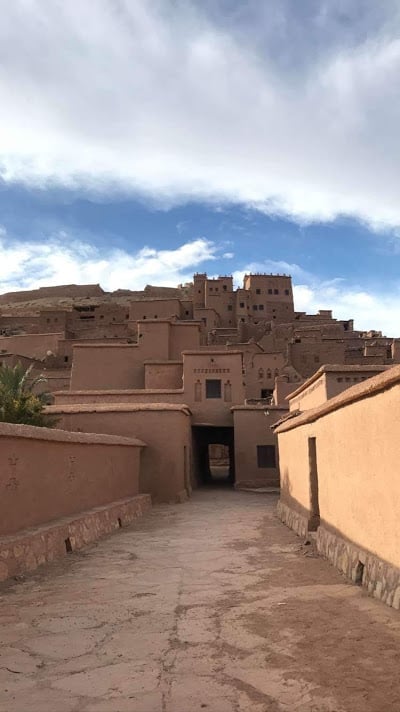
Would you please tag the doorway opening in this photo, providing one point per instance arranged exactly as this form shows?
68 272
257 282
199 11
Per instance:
314 520
214 453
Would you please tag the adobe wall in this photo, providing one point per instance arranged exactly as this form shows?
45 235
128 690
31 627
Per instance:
47 474
31 345
357 455
225 367
120 396
183 337
163 375
311 396
165 471
155 309
253 429
261 371
62 290
107 367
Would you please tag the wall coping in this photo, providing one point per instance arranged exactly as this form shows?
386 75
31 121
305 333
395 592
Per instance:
116 408
197 352
365 389
259 406
32 432
161 362
104 346
122 391
336 368
27 336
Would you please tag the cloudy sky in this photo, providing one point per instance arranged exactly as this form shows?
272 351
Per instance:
143 140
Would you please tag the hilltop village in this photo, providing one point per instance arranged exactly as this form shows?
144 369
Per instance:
228 356
183 381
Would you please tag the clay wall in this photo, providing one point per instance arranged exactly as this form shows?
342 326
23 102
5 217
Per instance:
106 367
155 309
33 346
307 356
225 370
183 337
353 477
62 290
166 462
261 371
327 383
256 446
163 375
47 474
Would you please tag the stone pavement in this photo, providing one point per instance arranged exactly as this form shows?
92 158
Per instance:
210 605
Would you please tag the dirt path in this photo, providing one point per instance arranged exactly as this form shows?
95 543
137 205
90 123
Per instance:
212 605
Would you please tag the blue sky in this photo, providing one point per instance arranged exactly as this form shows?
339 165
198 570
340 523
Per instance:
140 142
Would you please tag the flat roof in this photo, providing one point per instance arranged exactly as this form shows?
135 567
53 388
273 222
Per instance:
365 389
336 368
120 391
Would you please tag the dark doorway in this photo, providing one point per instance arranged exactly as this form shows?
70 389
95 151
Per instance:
314 520
214 456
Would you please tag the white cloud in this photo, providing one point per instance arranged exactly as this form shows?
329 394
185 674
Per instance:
62 260
289 107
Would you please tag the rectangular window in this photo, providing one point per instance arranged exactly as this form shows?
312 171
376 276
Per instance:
270 291
254 307
276 291
261 307
266 456
229 307
241 305
213 388
287 292
258 291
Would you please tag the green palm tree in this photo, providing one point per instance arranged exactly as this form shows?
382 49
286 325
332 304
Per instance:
18 402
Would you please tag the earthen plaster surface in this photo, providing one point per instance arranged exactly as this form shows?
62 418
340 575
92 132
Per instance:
212 605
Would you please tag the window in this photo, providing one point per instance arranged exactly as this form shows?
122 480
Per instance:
224 287
213 388
276 291
66 359
255 307
229 307
101 316
261 307
186 313
270 291
241 304
287 292
258 291
266 456
266 393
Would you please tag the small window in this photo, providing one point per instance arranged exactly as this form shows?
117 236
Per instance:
261 307
276 291
224 287
155 316
287 292
48 321
266 393
144 317
101 316
258 291
270 291
241 304
266 456
229 307
213 388
186 313
66 359
255 307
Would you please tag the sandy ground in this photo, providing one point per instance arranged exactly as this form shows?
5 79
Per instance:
211 605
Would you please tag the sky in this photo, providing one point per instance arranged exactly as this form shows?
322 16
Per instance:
144 140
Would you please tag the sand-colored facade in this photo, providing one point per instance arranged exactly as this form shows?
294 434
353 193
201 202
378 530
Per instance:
339 465
62 490
328 382
166 465
207 346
